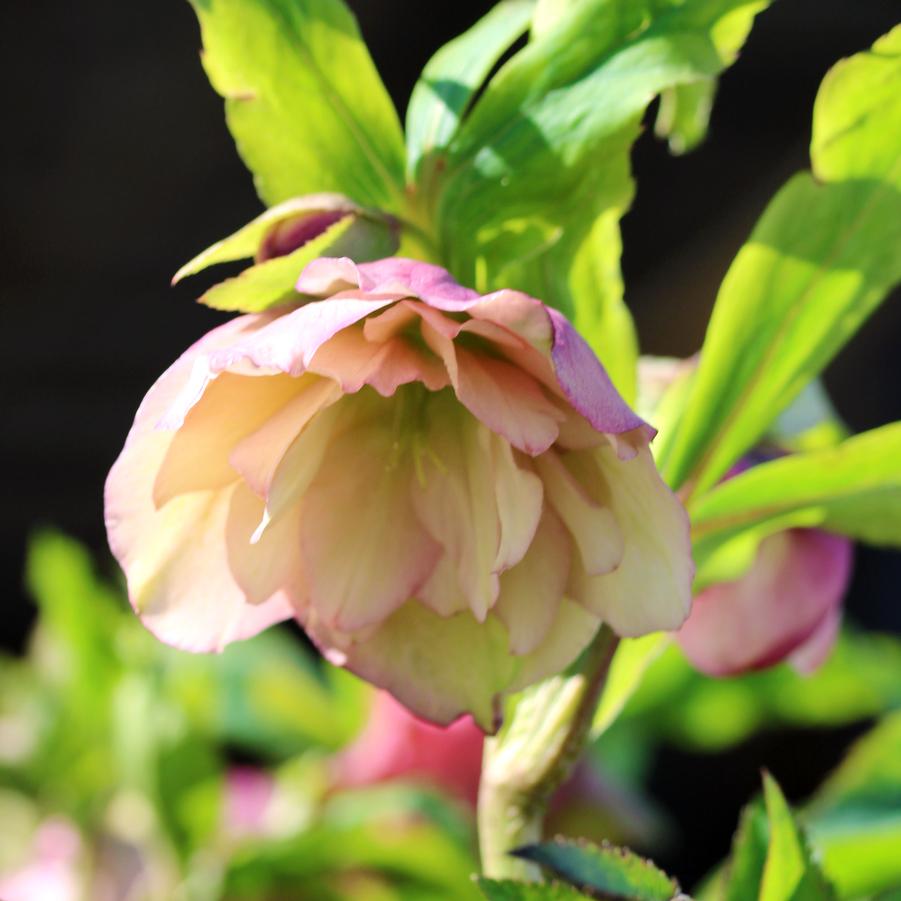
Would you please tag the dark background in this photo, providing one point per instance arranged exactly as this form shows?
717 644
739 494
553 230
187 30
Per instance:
117 167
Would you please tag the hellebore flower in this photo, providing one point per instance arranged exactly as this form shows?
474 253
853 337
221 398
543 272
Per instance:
443 488
786 606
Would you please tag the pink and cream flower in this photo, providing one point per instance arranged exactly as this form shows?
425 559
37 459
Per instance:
444 488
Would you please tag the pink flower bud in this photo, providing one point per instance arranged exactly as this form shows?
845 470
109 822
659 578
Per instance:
444 489
787 606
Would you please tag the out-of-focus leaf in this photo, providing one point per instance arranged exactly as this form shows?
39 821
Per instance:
630 662
245 242
555 127
453 75
819 262
771 860
509 890
615 873
388 835
271 283
685 109
860 679
854 489
303 99
854 820
810 422
270 696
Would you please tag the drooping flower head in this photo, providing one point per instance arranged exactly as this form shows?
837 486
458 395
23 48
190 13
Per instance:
443 488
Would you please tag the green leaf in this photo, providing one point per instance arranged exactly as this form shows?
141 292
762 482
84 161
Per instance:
271 283
303 99
854 489
631 661
770 859
614 873
453 75
509 890
855 817
685 109
246 241
538 175
819 262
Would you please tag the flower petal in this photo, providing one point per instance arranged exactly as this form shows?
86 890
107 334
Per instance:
593 525
288 342
257 455
790 593
231 407
507 400
455 500
650 590
520 498
570 633
586 384
365 551
418 656
532 590
354 361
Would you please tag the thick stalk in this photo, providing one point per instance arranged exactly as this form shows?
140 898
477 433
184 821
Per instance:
532 755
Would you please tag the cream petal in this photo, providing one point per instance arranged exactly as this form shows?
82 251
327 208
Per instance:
454 498
593 525
257 455
364 549
440 668
650 590
520 495
442 591
571 632
232 407
532 590
176 559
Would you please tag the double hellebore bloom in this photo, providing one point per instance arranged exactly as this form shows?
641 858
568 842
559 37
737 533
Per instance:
443 488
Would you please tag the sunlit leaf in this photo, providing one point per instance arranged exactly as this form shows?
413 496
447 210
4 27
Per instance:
271 283
819 262
303 99
855 817
630 662
453 75
245 242
854 489
538 175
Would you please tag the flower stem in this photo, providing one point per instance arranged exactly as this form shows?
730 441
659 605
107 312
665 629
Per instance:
532 755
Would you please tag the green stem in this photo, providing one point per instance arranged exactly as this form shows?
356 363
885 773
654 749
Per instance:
533 755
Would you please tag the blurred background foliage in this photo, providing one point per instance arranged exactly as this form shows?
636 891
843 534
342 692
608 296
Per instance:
129 770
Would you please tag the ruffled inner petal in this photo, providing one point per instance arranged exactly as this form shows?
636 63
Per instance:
651 588
532 590
507 400
353 360
257 456
592 524
364 549
455 500
520 497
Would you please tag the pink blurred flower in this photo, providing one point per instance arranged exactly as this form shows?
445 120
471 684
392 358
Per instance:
51 874
248 794
787 606
443 488
397 745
